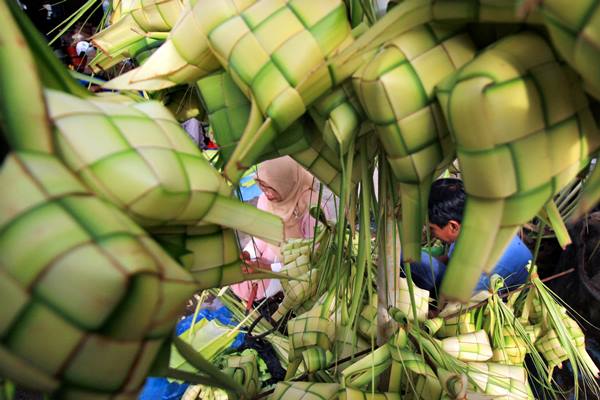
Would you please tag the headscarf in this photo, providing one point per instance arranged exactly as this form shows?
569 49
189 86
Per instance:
295 186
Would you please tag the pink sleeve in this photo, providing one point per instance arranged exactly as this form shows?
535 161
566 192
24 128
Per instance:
307 224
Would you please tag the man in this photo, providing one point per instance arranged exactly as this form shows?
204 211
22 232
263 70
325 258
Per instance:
446 206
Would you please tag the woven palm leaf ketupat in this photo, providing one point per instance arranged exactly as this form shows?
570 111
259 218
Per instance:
518 143
353 394
396 89
143 18
360 373
163 178
89 297
469 346
19 77
228 114
269 48
367 320
210 254
314 328
286 390
178 60
338 116
139 51
244 370
297 292
574 32
402 300
507 382
412 374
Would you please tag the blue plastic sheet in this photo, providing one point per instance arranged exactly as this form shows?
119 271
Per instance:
161 388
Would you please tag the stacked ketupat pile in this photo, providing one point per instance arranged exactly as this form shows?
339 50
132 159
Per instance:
96 167
515 119
80 271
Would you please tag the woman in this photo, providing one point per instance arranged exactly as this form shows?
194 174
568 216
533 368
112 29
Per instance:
288 191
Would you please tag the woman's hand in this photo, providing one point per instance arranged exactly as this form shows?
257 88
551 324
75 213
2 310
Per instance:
253 265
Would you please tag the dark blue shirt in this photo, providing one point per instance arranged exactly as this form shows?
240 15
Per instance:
511 267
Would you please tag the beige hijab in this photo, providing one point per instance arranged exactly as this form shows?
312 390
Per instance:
294 185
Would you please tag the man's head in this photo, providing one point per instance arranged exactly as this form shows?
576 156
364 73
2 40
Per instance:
446 206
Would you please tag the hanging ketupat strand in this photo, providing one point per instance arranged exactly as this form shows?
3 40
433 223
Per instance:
113 217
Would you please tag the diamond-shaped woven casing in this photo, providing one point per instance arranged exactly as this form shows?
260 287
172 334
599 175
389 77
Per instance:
457 321
88 297
367 320
353 394
276 52
185 56
211 254
574 32
411 373
469 346
512 349
308 330
138 156
338 115
403 302
523 129
244 370
297 292
228 112
550 347
360 373
396 90
305 391
270 47
142 16
508 382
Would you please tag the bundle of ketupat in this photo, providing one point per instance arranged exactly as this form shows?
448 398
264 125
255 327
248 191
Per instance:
142 19
244 370
559 337
311 329
397 91
82 279
497 140
282 60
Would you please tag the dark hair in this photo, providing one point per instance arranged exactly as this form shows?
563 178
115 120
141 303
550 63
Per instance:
446 201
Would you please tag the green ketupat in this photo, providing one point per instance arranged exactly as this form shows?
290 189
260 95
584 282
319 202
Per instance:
305 391
338 116
362 372
244 370
396 89
469 346
412 374
143 18
229 112
163 178
353 394
89 297
210 253
574 32
518 143
504 382
19 77
270 48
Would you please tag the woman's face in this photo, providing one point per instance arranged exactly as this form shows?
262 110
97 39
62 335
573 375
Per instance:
270 193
